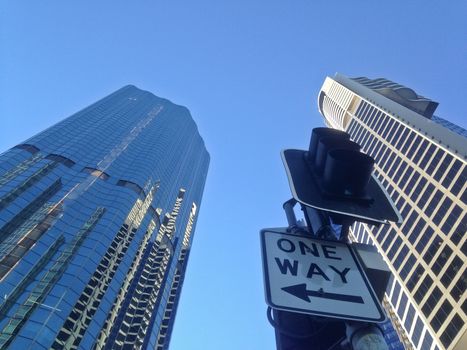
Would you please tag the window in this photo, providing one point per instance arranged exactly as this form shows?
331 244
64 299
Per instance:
433 300
394 248
441 260
389 162
426 194
427 341
397 134
458 289
433 247
28 183
402 305
406 210
443 209
420 151
399 172
423 288
409 317
451 173
376 148
406 177
457 187
435 162
413 180
388 131
418 189
417 230
131 185
411 138
379 122
417 332
415 277
27 147
393 168
451 271
414 146
434 203
388 239
395 294
427 156
452 329
441 316
372 119
443 167
96 173
382 232
400 257
60 159
33 226
403 138
460 230
408 223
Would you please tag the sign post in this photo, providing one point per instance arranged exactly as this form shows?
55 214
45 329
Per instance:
310 282
316 277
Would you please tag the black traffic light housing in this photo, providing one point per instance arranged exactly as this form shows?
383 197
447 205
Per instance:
334 176
338 166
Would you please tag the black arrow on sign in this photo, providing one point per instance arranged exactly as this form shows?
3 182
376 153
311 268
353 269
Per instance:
300 291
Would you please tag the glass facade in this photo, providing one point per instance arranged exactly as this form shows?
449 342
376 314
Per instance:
97 215
422 164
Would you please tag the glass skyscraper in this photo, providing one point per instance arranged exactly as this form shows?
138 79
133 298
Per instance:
421 161
97 215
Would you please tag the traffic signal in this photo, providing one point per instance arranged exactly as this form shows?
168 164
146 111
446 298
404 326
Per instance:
340 169
334 176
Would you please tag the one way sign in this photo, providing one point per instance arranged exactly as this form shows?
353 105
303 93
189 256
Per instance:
317 277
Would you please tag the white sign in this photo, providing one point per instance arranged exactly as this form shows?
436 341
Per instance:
318 277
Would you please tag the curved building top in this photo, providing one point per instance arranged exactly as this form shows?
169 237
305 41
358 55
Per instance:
400 94
396 100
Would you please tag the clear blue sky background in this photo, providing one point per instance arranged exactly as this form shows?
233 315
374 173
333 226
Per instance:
250 72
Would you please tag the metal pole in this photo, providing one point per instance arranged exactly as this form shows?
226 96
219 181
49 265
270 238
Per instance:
293 225
290 214
319 223
360 335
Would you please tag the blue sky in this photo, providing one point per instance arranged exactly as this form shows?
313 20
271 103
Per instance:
250 72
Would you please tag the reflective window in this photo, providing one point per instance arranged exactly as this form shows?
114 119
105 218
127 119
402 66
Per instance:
420 151
96 173
415 277
432 301
453 170
30 148
427 156
417 332
423 289
434 203
460 230
400 256
417 230
441 315
432 249
441 260
462 179
454 268
453 328
418 189
409 317
402 305
442 210
60 159
427 341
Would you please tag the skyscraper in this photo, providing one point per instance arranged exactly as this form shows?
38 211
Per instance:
97 215
421 161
